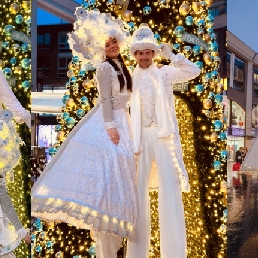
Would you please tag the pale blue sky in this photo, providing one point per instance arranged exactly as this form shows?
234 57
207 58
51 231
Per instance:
243 21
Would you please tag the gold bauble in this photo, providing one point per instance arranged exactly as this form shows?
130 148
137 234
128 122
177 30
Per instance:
60 136
94 101
70 66
213 84
70 73
2 63
215 53
196 6
14 8
214 137
184 9
127 15
207 103
207 58
209 2
26 4
87 84
207 37
69 103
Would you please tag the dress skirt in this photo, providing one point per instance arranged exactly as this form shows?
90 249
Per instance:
90 182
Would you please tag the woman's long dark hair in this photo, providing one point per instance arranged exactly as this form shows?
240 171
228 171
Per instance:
120 75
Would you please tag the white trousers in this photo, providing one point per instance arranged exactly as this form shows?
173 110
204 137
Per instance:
171 211
107 244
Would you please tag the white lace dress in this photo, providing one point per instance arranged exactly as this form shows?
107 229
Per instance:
90 183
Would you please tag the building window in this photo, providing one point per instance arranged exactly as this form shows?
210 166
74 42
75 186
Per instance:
44 39
256 82
238 80
63 66
63 45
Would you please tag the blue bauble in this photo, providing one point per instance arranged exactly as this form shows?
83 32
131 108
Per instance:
218 125
199 64
81 74
92 3
7 72
65 98
73 79
18 19
210 31
196 50
65 115
217 165
80 113
146 10
92 250
189 20
157 38
26 63
75 59
224 154
225 213
214 75
25 47
5 45
211 95
110 3
84 100
179 31
52 151
13 61
86 6
8 29
28 22
49 244
33 238
177 47
131 26
222 136
208 76
26 84
199 88
200 23
70 122
58 128
218 98
38 248
209 20
214 47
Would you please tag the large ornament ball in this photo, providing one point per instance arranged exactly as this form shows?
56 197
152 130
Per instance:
75 60
184 9
207 103
217 165
26 5
70 122
218 125
8 29
92 250
84 100
13 61
70 103
65 115
214 47
218 98
60 136
196 50
80 113
199 64
2 63
146 10
52 151
224 154
65 98
196 6
222 136
209 21
177 47
189 20
25 47
58 128
7 72
19 19
14 8
179 31
26 84
214 136
26 63
87 84
199 88
127 15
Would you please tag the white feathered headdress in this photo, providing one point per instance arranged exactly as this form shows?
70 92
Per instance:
91 30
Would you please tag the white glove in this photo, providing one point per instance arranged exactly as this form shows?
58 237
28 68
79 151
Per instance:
165 51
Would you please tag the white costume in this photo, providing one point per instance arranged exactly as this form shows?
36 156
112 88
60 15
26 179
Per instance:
156 137
9 156
90 182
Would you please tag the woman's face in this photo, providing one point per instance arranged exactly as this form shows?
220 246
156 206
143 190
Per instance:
111 48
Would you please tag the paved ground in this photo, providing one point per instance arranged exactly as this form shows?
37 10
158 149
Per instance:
242 228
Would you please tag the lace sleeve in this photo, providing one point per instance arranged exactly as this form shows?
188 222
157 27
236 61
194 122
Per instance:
104 80
7 207
11 102
181 70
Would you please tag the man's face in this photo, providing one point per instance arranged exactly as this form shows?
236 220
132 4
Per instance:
144 57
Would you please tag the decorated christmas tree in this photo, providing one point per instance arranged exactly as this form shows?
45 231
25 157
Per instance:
187 27
15 63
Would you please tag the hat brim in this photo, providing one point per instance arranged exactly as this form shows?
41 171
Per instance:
143 46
